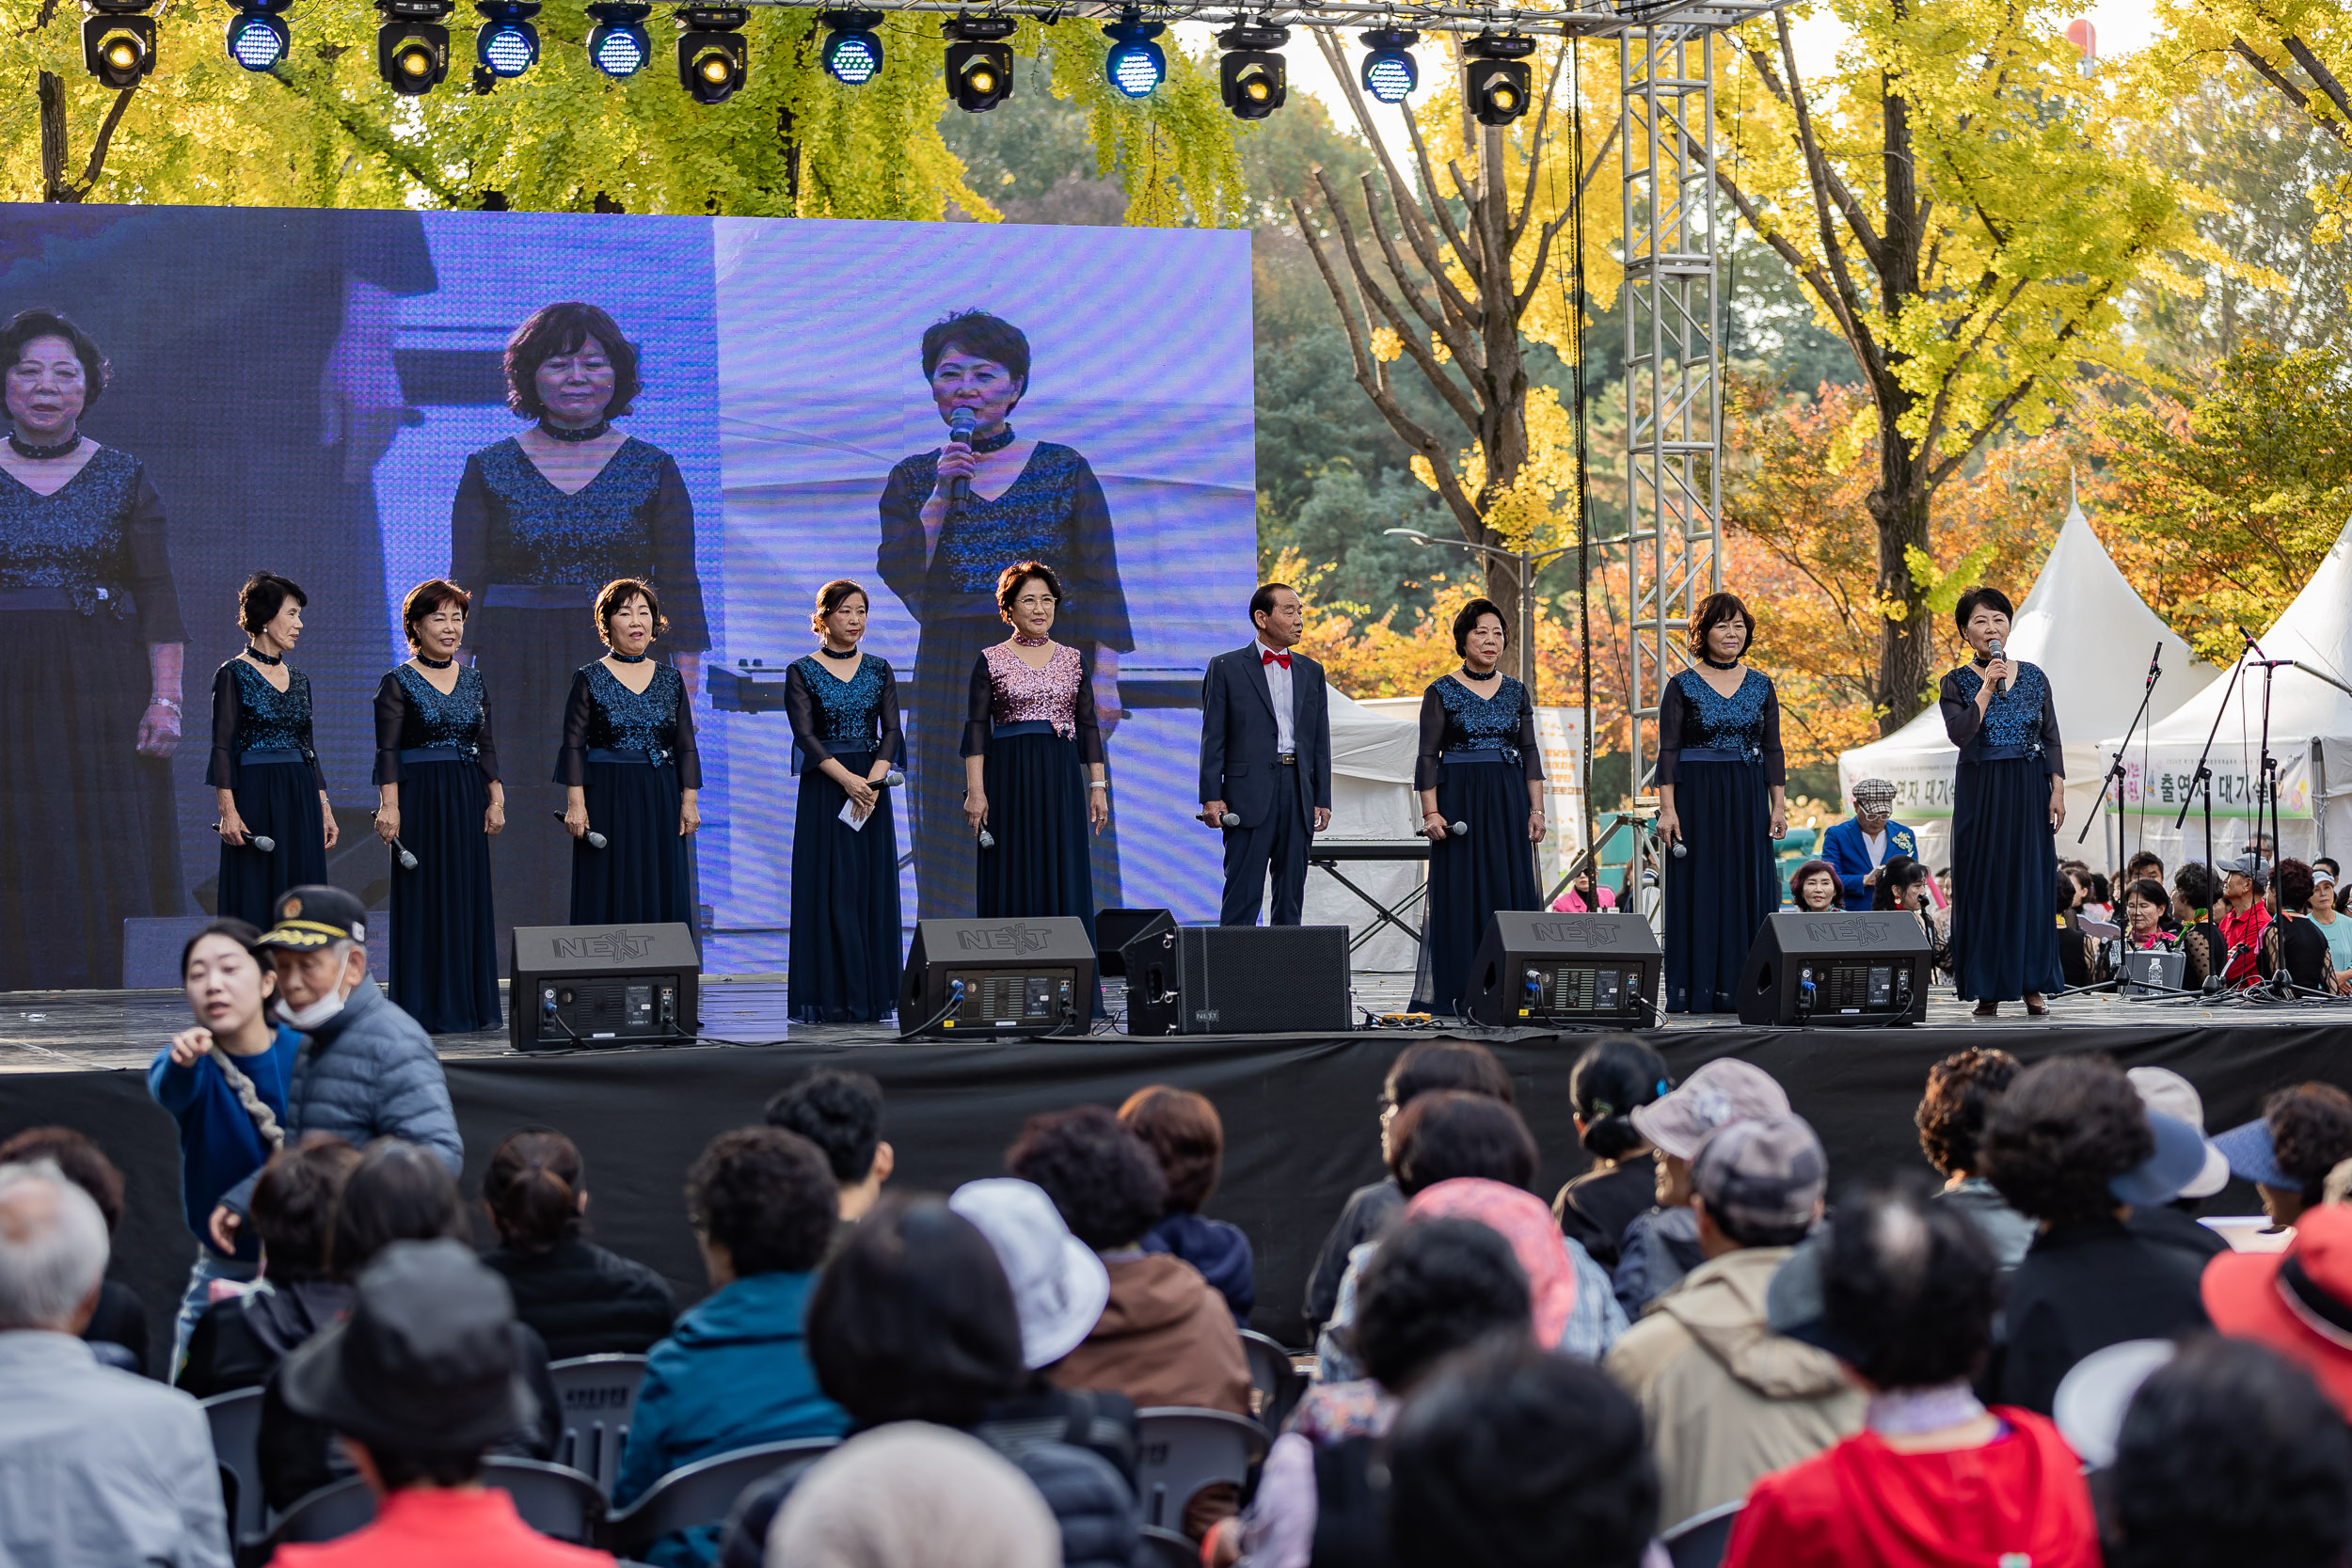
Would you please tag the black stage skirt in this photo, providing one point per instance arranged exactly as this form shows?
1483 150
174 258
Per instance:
1494 869
279 801
528 658
445 950
645 874
87 836
943 888
2005 865
1719 895
845 952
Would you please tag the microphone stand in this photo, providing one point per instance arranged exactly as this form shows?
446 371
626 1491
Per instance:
2203 776
2115 768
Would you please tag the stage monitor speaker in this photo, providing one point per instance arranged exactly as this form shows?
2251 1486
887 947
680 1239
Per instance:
1115 928
1238 980
996 979
1538 967
574 986
1837 970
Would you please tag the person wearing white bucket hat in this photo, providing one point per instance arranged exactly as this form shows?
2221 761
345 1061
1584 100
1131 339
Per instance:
2165 1092
1059 1286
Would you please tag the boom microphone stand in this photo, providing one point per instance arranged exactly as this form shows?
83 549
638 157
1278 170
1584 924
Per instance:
2269 796
2114 769
2203 776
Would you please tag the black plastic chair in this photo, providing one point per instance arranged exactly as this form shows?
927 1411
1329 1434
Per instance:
1701 1540
235 1417
599 1398
1279 1383
704 1492
1167 1548
554 1499
1183 1450
327 1512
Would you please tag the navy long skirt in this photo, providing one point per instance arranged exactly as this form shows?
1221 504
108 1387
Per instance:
1041 862
279 801
445 959
1494 869
2005 864
527 658
1719 894
643 876
845 953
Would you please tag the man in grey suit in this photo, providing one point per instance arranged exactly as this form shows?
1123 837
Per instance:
1266 758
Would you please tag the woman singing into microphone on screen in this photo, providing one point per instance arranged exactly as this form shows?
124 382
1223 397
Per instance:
1721 796
2008 800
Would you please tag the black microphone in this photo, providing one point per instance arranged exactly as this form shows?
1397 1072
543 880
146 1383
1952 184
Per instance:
961 425
595 840
1994 649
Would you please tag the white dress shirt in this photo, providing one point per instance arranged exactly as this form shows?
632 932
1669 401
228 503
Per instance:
1278 680
1876 843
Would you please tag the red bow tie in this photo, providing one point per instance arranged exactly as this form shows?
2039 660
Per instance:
1267 655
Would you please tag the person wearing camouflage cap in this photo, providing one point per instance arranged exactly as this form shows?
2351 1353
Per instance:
1860 847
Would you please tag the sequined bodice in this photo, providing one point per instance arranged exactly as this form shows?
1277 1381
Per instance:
2015 716
1715 722
845 712
1031 519
1018 694
434 720
72 538
620 720
1479 723
584 537
269 719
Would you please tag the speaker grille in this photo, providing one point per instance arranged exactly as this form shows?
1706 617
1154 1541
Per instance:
1264 979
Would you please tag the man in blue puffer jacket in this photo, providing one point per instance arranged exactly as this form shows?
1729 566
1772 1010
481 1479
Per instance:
366 1070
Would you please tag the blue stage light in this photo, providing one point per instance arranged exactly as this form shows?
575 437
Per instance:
1391 73
853 52
617 44
257 39
1134 63
508 44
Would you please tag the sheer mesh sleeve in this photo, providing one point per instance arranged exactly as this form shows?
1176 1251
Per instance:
149 555
2053 751
485 744
571 760
1672 711
690 757
1530 752
799 707
391 717
1432 741
221 773
674 576
1961 719
1775 760
976 722
892 745
1085 722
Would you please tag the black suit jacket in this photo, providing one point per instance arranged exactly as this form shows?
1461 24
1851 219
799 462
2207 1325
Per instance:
1237 735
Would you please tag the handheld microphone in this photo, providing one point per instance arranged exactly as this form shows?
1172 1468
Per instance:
1682 850
1994 648
1231 819
988 840
408 861
263 842
960 427
595 840
1459 830
894 780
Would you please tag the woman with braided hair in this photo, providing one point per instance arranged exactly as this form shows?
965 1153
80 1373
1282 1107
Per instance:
224 1082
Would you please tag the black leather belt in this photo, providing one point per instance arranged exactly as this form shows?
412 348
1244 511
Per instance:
1288 759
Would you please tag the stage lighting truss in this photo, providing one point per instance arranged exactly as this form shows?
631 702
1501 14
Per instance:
853 51
1495 76
980 63
713 58
1250 77
1391 73
508 44
617 44
412 45
257 38
1134 63
119 41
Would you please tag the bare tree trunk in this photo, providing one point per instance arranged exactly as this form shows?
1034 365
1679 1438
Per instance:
1900 506
53 184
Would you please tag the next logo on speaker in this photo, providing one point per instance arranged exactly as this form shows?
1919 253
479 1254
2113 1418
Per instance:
616 946
1576 933
1848 933
1015 937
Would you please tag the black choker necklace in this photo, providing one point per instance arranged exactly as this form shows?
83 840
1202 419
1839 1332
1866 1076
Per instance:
829 654
1475 675
997 442
573 437
629 658
432 663
265 659
72 443
1715 663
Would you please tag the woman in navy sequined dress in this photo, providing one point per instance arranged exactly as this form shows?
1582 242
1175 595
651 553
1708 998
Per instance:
1479 766
541 521
439 798
1722 794
2008 800
264 768
1029 500
91 644
844 707
631 772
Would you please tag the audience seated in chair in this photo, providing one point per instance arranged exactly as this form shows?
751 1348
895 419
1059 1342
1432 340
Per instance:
1183 1131
116 1330
1934 1478
2304 1132
99 1467
911 1494
583 1298
1660 1246
736 1371
2165 1092
417 1384
1615 1074
841 1112
1960 1091
240 1341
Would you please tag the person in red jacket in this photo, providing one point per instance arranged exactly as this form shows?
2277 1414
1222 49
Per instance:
1934 1479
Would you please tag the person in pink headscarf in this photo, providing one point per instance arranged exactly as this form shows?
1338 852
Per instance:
1520 1218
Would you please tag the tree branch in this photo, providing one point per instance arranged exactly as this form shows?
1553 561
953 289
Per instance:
2317 70
105 135
1369 286
2295 95
1535 148
1459 340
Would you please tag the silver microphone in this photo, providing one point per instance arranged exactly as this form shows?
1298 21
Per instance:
894 780
1682 850
595 840
1994 649
988 840
263 842
1231 819
1459 830
408 861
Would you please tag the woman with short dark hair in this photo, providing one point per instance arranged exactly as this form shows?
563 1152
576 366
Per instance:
1479 766
2294 945
630 771
239 1340
439 803
1184 1132
1813 888
92 647
540 519
264 768
952 520
2008 800
583 1298
1722 801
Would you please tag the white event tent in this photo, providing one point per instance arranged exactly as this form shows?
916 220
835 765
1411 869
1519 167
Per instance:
2087 629
2310 736
1373 746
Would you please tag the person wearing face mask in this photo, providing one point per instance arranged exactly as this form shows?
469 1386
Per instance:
223 1079
365 1069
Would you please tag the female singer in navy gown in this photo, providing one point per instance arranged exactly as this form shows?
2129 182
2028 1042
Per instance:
1028 734
437 775
631 772
91 645
2008 800
844 707
265 766
1479 766
1722 794
544 518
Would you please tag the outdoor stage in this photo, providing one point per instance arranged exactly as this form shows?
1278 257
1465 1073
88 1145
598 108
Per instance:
1299 1110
